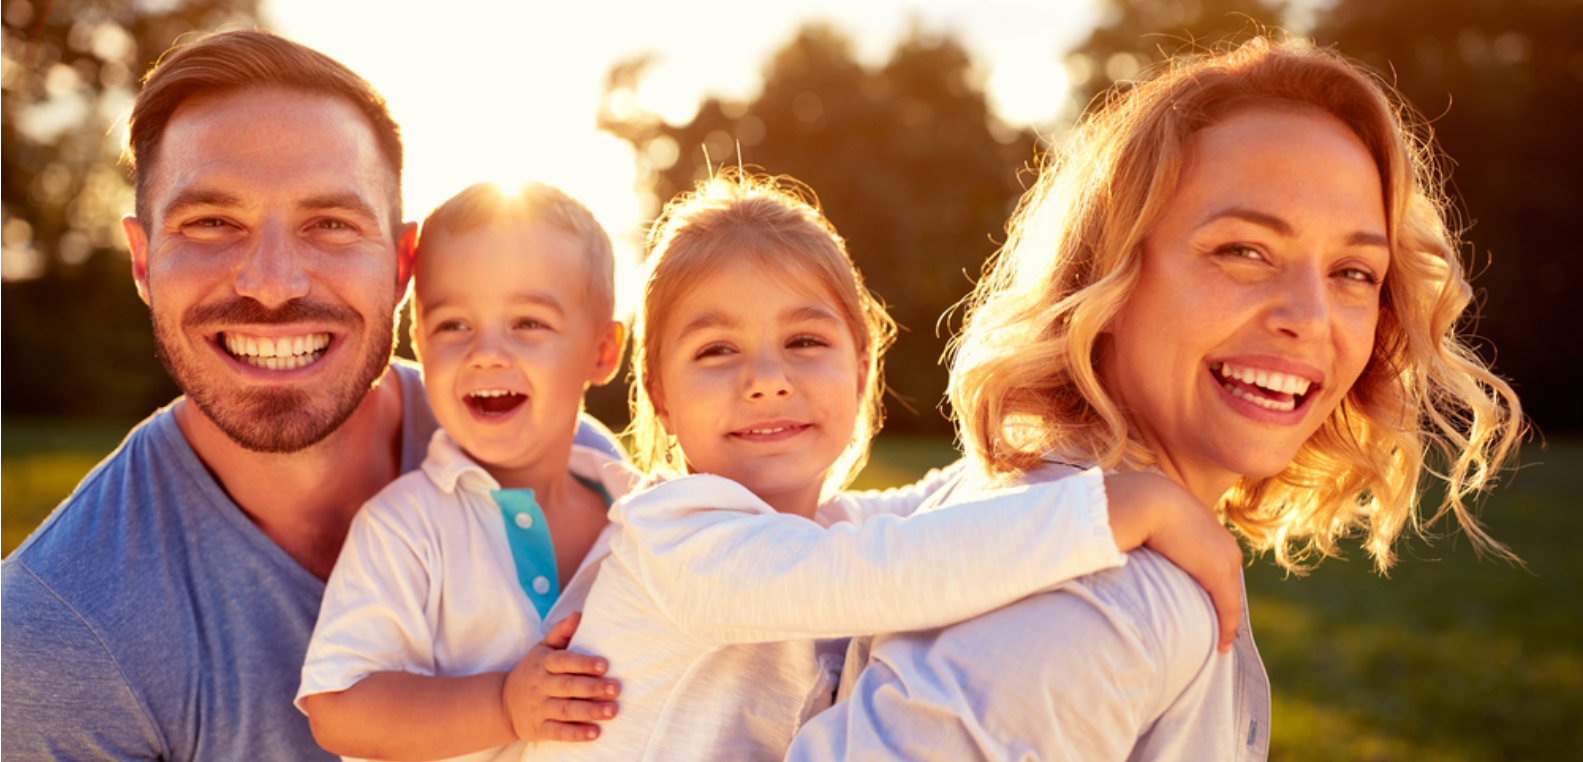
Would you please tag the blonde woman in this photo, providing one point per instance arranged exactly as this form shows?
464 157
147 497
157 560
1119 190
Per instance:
1237 274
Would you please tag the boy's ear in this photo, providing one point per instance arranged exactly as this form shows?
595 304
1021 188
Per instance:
611 344
137 241
406 255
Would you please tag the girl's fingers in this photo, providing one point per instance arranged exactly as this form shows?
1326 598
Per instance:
580 687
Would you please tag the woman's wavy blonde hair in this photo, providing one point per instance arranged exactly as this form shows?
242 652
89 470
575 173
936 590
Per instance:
776 223
1023 377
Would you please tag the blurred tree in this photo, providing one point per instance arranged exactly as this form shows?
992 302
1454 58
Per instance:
907 161
1502 82
1135 34
76 338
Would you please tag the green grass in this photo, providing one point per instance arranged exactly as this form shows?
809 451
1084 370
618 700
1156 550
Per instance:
1452 658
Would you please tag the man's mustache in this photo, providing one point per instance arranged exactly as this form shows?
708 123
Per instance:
246 311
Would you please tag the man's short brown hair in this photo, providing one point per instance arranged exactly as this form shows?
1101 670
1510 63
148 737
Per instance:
227 62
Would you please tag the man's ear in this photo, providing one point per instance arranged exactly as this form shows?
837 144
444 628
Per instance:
137 241
406 255
611 345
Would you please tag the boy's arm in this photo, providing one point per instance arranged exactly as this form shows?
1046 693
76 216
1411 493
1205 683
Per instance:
402 716
725 566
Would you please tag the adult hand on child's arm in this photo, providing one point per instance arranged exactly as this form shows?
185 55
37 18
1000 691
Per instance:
1153 511
556 695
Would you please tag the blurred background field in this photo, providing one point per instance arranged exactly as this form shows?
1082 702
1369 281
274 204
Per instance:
1450 659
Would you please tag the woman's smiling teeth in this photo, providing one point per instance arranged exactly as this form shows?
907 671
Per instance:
276 352
1268 389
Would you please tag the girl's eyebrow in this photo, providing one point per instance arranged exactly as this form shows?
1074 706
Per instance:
718 319
810 312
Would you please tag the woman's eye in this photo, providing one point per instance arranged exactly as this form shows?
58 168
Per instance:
1358 274
1240 251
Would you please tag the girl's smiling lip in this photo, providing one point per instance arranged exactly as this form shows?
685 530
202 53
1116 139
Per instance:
1267 388
493 404
770 431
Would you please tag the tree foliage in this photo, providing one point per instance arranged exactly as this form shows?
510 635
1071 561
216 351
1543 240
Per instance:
906 160
1133 35
1502 83
77 340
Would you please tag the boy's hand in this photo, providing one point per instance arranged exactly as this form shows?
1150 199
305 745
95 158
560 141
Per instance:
554 694
1151 510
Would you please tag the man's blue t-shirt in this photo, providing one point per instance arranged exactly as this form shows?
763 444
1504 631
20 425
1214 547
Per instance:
148 618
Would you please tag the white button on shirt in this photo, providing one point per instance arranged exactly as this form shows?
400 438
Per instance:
525 521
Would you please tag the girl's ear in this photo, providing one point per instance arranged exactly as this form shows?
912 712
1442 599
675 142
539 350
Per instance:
862 374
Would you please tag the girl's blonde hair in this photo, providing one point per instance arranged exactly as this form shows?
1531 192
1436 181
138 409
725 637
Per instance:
1023 377
774 222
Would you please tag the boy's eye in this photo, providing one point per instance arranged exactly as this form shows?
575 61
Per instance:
528 324
450 325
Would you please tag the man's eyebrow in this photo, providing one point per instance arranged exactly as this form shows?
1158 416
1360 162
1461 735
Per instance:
195 197
339 200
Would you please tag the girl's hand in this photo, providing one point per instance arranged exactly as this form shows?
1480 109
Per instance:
1153 511
554 694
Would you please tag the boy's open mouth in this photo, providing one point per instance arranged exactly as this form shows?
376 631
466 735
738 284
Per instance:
1270 390
275 352
494 401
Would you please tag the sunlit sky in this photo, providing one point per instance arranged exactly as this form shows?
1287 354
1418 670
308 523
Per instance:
507 91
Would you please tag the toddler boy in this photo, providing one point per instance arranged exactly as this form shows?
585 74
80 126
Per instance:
453 572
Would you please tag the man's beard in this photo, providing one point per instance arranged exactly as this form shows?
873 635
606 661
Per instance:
274 420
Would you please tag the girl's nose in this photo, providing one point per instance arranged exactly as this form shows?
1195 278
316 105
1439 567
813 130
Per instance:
768 379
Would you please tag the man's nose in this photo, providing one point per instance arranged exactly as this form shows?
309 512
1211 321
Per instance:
272 269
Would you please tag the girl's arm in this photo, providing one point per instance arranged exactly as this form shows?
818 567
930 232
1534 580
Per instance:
726 567
901 501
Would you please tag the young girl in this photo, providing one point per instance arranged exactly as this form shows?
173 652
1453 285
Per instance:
758 373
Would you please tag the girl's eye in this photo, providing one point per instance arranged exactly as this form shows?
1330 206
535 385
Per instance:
716 349
806 341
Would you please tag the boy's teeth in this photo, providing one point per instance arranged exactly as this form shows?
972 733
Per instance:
490 393
276 353
1275 382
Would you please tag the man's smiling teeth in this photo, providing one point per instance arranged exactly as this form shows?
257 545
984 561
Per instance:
1275 382
276 353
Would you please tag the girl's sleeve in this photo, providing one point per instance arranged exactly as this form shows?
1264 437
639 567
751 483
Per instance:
726 567
375 614
901 501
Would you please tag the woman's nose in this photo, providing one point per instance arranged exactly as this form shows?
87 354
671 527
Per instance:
1302 308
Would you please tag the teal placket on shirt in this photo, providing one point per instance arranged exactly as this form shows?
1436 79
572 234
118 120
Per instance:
532 550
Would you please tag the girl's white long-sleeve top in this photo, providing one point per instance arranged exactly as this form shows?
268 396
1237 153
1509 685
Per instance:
715 611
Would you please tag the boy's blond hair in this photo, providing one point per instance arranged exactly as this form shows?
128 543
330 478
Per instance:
775 222
1023 376
487 204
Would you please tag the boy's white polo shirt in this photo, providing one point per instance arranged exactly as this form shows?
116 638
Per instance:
426 582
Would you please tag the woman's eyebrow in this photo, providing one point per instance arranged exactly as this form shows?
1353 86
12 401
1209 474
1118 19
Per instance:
1284 228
